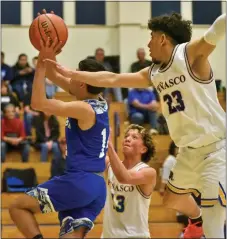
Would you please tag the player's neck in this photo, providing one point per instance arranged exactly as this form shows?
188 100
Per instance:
130 162
91 96
167 53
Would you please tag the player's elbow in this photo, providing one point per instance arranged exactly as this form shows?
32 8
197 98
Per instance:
37 105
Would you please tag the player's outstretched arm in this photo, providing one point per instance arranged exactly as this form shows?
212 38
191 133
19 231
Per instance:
50 51
104 78
76 109
141 177
203 47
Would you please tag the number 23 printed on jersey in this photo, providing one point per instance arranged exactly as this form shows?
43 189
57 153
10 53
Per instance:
170 98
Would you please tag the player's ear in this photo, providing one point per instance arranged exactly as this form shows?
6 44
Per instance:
143 149
163 39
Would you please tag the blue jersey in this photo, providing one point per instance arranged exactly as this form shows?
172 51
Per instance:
86 149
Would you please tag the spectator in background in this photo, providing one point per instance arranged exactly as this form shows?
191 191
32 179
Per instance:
58 164
6 71
29 113
143 108
141 63
50 86
100 57
47 134
7 97
13 134
168 164
23 76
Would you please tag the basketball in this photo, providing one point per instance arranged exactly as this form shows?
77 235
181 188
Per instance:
47 25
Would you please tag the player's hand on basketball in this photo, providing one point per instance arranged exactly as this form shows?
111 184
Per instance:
49 49
61 69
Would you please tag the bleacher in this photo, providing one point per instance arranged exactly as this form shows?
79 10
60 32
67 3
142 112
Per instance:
162 222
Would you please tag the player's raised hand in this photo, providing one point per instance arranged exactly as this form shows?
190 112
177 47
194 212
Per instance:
61 69
44 12
49 49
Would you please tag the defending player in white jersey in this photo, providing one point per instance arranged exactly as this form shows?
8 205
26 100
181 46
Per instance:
183 77
130 184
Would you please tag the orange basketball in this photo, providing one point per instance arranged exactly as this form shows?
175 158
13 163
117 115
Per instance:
47 25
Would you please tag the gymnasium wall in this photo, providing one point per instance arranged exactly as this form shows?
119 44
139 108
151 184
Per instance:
119 27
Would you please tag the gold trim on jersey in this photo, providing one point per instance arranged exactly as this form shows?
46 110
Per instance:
163 69
222 195
208 202
142 194
191 72
182 190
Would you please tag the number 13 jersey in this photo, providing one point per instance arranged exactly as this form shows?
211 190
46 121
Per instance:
190 106
126 209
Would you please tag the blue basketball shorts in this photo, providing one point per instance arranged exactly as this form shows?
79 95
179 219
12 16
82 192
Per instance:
78 198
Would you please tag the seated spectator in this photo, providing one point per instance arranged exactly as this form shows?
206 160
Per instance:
8 97
23 76
28 113
168 164
143 107
47 134
6 71
58 164
141 63
100 57
50 86
13 134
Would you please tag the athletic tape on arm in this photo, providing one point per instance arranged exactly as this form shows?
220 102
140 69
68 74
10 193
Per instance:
216 31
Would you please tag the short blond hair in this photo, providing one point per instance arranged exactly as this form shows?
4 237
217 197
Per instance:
147 141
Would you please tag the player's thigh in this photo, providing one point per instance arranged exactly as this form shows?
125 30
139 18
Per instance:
183 178
25 202
213 178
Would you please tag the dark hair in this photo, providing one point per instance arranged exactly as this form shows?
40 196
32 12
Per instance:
147 141
92 66
172 148
21 55
35 58
172 25
2 54
99 49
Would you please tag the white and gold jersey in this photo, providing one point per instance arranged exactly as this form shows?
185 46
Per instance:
126 209
191 107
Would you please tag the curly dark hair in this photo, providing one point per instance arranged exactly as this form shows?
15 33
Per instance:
92 66
172 148
179 30
147 140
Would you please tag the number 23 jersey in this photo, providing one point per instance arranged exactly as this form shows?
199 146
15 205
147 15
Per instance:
190 106
126 209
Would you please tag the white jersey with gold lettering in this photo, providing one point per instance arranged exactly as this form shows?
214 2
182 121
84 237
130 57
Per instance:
191 107
126 209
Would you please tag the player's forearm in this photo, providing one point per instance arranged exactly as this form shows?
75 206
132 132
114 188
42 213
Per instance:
216 31
38 88
98 79
54 76
120 172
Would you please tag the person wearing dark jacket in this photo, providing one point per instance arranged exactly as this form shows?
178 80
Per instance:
23 76
47 134
8 97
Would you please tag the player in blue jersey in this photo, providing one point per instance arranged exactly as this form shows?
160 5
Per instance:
78 195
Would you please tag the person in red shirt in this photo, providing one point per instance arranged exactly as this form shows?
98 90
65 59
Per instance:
13 134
